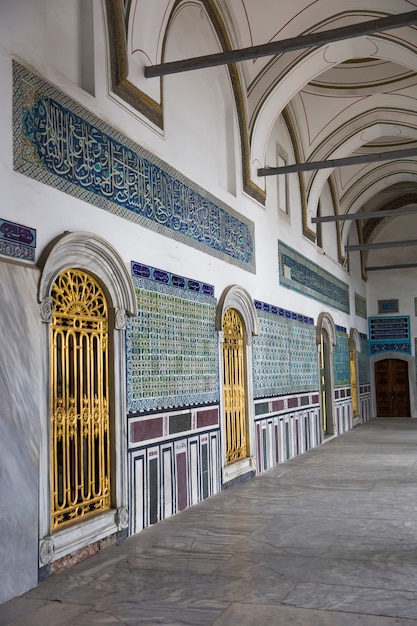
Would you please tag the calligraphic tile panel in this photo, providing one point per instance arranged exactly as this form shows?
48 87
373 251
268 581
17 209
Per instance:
300 274
58 142
17 241
172 348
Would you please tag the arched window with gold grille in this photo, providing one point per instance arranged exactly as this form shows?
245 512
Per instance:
234 387
80 424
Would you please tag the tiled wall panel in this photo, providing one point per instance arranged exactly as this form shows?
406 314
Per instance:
284 355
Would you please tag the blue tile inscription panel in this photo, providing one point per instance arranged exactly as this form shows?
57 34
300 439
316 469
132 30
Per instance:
300 274
17 241
172 343
60 143
389 334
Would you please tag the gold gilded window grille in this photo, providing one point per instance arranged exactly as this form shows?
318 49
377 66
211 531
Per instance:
354 380
234 387
80 425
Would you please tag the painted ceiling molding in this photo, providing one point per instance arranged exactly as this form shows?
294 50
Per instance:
118 20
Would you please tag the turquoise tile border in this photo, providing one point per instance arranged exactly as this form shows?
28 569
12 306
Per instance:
58 142
300 274
389 334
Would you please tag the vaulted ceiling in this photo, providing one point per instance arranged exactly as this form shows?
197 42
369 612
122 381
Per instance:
345 98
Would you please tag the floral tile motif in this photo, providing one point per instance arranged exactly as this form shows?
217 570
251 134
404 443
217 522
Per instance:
172 345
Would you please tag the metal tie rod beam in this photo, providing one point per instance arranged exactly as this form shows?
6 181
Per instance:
381 246
365 216
284 45
401 266
331 163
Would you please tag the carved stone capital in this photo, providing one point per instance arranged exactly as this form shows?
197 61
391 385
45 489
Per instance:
46 550
122 517
46 310
120 319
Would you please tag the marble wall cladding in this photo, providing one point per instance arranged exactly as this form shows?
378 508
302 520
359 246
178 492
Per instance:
341 363
165 477
62 144
284 356
172 348
364 371
299 273
20 374
283 435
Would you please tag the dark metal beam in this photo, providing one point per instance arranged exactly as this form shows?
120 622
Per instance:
285 45
402 266
365 216
382 245
331 163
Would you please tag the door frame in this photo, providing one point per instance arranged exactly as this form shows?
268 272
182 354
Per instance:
412 384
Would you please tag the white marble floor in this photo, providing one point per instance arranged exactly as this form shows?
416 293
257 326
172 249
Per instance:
327 539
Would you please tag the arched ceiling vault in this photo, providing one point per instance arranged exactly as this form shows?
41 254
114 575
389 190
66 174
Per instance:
344 98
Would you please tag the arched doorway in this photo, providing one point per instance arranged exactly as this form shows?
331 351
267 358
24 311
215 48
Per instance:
392 388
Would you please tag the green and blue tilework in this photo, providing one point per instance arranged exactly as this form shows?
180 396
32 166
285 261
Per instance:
360 306
300 274
58 142
284 356
172 347
363 361
341 361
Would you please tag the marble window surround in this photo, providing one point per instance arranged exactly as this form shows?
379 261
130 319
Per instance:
94 255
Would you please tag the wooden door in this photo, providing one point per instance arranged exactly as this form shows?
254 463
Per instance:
392 392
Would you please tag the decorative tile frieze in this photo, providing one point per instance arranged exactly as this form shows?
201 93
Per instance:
389 334
300 274
17 241
167 278
172 347
62 144
275 310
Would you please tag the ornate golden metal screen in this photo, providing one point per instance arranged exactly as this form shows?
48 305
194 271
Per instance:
234 386
354 379
80 432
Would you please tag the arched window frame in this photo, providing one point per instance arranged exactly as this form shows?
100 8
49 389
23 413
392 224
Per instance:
238 298
93 255
326 323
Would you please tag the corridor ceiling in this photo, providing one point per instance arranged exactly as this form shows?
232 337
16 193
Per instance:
347 98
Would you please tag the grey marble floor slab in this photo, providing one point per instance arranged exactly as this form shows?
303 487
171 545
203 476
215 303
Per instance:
326 539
